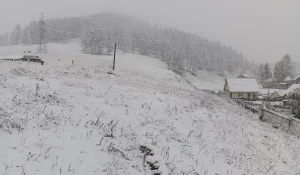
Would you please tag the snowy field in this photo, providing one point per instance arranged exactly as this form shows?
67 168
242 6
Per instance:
62 119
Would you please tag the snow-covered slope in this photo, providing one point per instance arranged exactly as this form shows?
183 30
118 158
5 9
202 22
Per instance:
64 119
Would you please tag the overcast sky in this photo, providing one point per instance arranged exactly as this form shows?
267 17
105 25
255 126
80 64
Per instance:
264 30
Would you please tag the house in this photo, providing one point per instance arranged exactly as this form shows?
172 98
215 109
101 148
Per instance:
244 76
288 81
246 88
296 80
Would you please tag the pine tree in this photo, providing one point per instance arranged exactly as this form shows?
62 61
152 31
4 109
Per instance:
261 72
181 51
16 35
267 74
25 35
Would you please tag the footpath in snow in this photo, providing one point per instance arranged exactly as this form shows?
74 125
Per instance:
144 119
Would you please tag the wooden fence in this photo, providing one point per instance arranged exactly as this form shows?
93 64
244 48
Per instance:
287 123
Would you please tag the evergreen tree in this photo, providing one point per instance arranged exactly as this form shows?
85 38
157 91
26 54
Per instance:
181 51
15 38
25 35
285 68
261 72
267 74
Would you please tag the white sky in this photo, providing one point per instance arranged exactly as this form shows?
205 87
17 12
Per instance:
264 30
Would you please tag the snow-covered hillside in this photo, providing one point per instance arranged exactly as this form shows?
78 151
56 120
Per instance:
64 119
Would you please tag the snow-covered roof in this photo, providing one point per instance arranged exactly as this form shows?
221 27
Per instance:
288 79
297 77
292 88
265 91
242 85
280 92
272 91
246 76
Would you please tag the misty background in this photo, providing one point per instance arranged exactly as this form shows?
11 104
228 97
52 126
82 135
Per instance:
263 30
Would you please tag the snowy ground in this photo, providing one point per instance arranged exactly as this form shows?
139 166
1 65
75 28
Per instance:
211 81
64 119
206 80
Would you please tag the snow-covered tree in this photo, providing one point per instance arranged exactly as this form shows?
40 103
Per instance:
34 32
267 74
25 36
261 72
285 68
16 35
180 50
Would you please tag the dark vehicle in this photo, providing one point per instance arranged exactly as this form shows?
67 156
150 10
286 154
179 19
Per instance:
32 58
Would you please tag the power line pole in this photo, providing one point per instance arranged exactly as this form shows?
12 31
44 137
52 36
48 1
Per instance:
114 56
42 47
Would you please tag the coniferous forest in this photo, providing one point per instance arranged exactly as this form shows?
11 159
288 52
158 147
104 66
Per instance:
181 51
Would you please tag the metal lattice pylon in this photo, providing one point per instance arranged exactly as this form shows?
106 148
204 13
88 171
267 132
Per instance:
42 47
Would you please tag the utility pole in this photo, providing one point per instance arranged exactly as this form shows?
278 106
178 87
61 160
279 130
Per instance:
115 56
42 47
268 91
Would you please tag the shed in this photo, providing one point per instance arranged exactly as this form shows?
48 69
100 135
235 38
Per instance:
278 95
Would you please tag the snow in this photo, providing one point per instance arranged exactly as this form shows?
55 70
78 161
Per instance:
206 80
209 80
246 76
288 79
271 91
292 88
78 119
297 77
242 85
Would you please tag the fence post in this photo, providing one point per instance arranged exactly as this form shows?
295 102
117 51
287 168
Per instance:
114 56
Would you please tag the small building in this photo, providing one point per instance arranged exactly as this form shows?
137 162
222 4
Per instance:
244 76
244 88
278 95
266 93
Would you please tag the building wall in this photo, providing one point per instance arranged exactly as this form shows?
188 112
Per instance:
236 94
